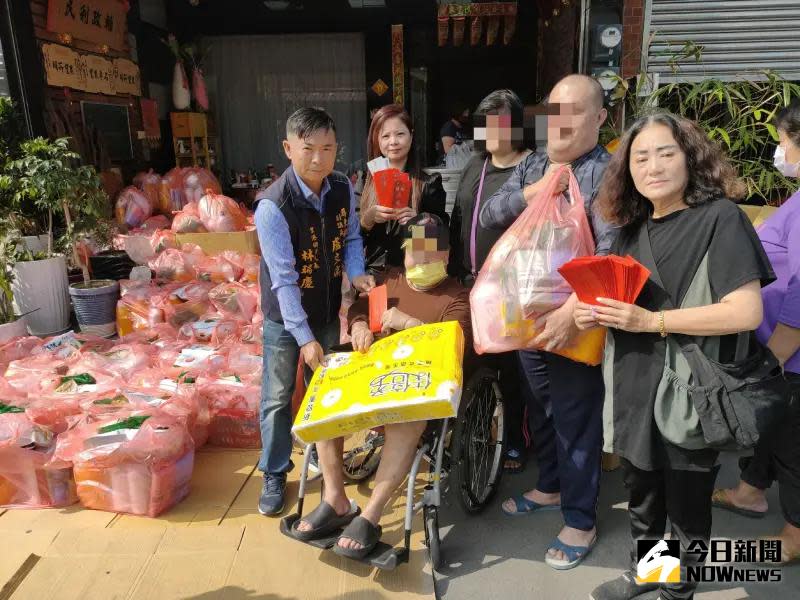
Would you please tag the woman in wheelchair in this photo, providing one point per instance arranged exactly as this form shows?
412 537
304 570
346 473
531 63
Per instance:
422 294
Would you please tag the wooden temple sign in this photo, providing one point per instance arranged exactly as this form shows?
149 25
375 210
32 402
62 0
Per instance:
398 66
65 67
492 14
102 22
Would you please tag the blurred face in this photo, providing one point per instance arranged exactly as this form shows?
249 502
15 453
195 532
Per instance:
791 150
500 136
573 127
423 251
658 165
394 139
313 158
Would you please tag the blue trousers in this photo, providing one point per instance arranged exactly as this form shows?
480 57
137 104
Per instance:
565 412
281 354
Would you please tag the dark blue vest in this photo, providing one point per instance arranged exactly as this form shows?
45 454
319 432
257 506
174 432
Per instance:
318 244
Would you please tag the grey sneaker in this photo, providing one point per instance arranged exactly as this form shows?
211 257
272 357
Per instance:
272 493
623 587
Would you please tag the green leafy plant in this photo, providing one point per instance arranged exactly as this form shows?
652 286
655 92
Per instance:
737 114
9 249
48 175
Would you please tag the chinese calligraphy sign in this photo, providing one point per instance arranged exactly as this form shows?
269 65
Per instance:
102 22
65 67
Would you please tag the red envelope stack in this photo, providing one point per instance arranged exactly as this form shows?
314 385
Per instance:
615 277
393 188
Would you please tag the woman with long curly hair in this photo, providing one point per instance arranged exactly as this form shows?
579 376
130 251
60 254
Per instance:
391 135
669 190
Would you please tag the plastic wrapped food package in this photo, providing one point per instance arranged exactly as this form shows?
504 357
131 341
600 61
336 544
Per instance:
188 220
186 303
218 269
140 309
252 267
154 223
176 265
140 465
132 207
162 240
171 196
234 407
15 349
219 213
196 181
235 300
150 184
34 374
246 361
170 397
26 477
254 332
212 328
122 360
179 359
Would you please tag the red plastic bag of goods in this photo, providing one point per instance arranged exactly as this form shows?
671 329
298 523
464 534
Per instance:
175 265
157 335
171 193
132 207
253 333
196 182
218 269
246 362
219 213
122 361
234 407
26 477
140 464
212 328
186 303
184 358
163 239
35 374
520 279
251 266
188 220
154 223
140 308
150 184
235 300
178 400
16 348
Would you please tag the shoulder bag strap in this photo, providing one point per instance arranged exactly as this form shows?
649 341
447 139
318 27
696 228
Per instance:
475 211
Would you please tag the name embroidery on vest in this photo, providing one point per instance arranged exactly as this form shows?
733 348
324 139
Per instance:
310 259
336 244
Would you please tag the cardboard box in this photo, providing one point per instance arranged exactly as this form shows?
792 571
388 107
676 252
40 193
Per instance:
413 375
212 244
757 214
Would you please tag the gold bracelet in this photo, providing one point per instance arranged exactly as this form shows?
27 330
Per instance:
662 329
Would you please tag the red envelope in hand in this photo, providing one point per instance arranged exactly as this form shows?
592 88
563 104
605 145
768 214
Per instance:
402 190
378 304
384 186
614 277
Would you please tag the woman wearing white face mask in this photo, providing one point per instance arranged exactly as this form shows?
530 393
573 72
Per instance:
779 457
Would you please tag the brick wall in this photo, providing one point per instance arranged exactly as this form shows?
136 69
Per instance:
632 26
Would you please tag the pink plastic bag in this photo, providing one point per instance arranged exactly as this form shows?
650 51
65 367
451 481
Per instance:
254 332
171 193
520 280
246 362
251 265
132 207
195 183
120 467
188 220
218 269
16 348
212 328
234 410
26 477
121 361
150 184
154 223
219 213
235 300
175 265
186 303
163 239
181 401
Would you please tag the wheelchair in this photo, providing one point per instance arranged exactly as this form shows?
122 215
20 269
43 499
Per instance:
464 456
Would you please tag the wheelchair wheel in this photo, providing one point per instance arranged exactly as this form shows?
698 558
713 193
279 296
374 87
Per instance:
430 515
362 454
478 442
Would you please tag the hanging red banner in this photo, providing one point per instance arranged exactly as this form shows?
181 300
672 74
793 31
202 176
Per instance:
398 65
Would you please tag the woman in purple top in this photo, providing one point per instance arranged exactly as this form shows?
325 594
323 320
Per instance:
778 458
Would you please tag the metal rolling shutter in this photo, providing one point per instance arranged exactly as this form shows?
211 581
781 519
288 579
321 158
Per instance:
739 37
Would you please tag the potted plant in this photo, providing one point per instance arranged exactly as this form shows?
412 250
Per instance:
11 325
47 175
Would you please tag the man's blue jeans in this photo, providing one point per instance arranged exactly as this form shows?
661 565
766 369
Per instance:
281 354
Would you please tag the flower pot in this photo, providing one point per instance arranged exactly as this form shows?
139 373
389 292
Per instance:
40 292
18 328
95 305
35 243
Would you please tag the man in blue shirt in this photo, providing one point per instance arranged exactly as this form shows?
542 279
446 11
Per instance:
310 236
566 411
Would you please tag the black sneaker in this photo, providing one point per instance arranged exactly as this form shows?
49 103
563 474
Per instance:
623 587
271 501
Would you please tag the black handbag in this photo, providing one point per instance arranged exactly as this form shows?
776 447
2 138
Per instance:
737 403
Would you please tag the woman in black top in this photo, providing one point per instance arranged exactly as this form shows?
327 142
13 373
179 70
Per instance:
667 187
391 136
498 129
